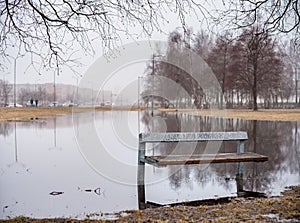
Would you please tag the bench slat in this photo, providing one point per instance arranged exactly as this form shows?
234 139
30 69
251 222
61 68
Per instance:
192 136
204 158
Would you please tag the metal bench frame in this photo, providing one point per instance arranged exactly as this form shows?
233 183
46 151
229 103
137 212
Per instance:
239 157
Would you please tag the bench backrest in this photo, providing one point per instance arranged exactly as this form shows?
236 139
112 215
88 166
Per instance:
192 136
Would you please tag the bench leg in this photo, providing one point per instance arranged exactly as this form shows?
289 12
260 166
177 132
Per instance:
240 146
141 187
239 169
141 177
239 179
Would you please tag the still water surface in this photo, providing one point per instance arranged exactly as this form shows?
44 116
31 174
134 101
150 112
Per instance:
44 173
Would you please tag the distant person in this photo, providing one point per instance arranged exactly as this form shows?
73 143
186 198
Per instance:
36 103
31 102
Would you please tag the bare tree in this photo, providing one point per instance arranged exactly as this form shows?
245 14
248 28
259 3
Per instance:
256 63
52 30
24 95
219 60
292 60
272 15
41 95
6 89
202 44
187 91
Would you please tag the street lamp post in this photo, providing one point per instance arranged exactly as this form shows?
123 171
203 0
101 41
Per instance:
92 94
77 87
15 77
139 89
15 81
152 91
296 84
77 90
36 95
54 90
35 85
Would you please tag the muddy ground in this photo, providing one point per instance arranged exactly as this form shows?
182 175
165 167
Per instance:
285 208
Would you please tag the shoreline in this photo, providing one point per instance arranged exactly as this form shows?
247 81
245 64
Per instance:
246 114
284 208
15 114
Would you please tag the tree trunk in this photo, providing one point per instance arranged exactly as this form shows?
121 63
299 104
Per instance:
254 94
254 88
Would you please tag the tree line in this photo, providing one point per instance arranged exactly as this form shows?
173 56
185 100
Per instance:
23 95
27 92
252 68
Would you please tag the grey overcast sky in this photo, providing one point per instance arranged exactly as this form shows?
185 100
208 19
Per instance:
26 74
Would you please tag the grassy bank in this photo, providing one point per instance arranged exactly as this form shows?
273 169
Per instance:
7 114
285 208
262 114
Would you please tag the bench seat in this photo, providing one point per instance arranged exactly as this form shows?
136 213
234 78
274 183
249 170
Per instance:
204 158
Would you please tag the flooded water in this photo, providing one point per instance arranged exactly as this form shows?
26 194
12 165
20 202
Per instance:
47 167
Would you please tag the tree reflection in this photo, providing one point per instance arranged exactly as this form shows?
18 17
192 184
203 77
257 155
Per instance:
16 163
6 128
277 140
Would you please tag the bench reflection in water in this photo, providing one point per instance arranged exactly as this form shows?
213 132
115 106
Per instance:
192 159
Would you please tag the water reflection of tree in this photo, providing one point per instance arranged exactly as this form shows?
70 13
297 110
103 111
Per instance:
6 128
277 140
273 139
34 124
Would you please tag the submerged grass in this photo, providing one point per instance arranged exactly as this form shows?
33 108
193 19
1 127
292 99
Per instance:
285 208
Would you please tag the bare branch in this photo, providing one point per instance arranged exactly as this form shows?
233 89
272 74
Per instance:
53 29
274 16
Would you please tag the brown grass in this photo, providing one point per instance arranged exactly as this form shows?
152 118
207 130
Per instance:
284 208
262 114
32 112
8 114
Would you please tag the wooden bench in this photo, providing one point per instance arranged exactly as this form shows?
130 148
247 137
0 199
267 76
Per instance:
238 157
